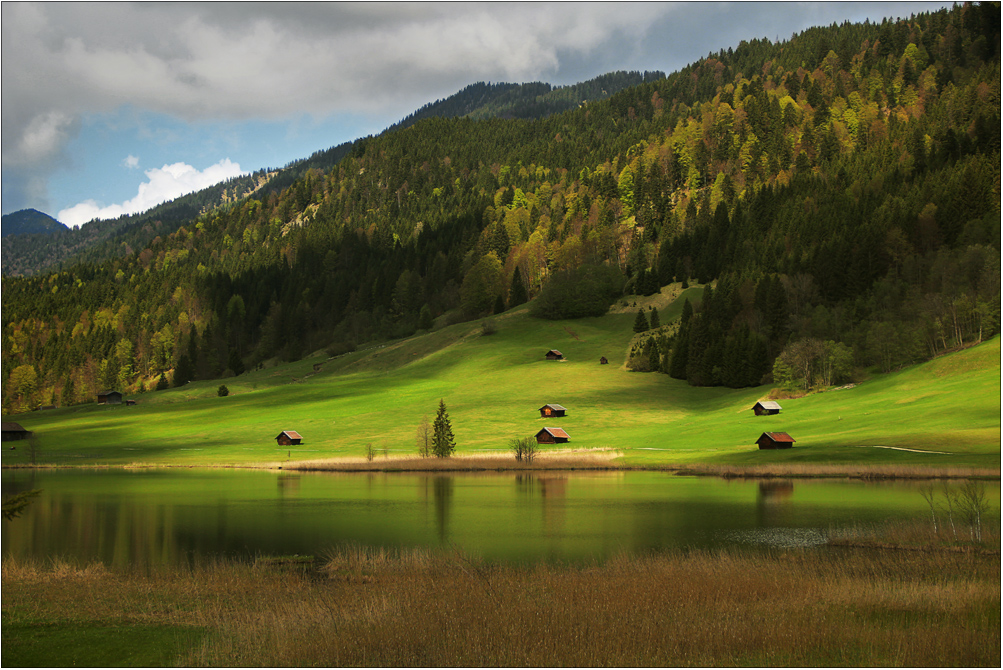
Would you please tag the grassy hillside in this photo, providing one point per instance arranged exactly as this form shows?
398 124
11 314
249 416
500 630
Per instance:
493 386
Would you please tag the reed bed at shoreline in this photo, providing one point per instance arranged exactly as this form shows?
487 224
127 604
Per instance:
851 470
584 459
414 607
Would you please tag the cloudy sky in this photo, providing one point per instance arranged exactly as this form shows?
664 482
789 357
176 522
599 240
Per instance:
111 108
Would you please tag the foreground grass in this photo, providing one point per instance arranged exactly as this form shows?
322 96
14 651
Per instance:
839 607
941 414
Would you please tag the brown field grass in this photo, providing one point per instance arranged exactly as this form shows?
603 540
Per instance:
378 608
850 470
556 459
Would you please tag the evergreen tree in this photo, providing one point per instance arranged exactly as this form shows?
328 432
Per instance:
162 383
499 305
640 323
680 353
517 295
425 321
654 321
443 443
66 398
236 363
183 371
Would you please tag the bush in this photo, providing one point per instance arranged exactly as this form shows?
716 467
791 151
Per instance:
585 291
222 391
524 448
488 328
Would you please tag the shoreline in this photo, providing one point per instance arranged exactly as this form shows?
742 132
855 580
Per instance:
566 462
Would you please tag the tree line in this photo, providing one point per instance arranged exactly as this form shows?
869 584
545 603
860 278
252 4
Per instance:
841 186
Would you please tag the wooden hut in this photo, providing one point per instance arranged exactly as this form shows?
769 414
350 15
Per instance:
109 398
14 431
554 355
775 441
288 438
765 407
603 360
549 435
550 410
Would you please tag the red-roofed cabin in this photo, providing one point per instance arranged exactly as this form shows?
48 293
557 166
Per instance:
555 355
552 436
775 441
288 438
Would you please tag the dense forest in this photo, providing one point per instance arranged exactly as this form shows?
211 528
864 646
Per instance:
839 191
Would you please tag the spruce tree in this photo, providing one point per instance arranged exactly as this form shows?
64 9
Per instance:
517 295
654 321
640 323
425 321
443 443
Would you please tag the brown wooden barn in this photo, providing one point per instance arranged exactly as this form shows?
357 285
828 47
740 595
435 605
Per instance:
603 360
549 435
288 438
765 407
554 355
109 398
14 431
775 441
551 409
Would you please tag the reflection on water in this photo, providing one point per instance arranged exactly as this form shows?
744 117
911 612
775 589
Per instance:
167 516
443 489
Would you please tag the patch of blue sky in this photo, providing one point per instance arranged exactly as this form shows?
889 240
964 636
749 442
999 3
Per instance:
100 167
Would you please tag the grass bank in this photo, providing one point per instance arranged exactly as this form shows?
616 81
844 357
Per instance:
838 607
941 414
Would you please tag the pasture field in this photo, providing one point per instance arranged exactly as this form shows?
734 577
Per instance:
940 414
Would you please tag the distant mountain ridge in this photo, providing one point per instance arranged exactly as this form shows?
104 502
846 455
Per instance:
28 222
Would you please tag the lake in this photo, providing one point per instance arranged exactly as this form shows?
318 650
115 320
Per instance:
169 516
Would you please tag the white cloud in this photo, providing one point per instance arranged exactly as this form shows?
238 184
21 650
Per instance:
131 162
162 184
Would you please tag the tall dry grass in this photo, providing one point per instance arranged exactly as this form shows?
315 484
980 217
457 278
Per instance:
380 608
851 470
564 459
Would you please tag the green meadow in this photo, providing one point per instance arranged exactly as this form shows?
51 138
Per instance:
493 386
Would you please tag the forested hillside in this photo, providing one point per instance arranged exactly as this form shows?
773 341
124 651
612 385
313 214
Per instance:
841 188
30 221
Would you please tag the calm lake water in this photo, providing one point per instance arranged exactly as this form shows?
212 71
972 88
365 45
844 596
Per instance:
150 517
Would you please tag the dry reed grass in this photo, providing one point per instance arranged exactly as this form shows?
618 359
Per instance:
380 608
850 470
562 459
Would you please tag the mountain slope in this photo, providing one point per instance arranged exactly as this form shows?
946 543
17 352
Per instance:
29 222
99 240
839 187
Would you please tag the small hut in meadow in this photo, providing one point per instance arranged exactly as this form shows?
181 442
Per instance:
554 355
14 431
603 360
288 438
766 407
775 441
548 435
109 398
550 410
